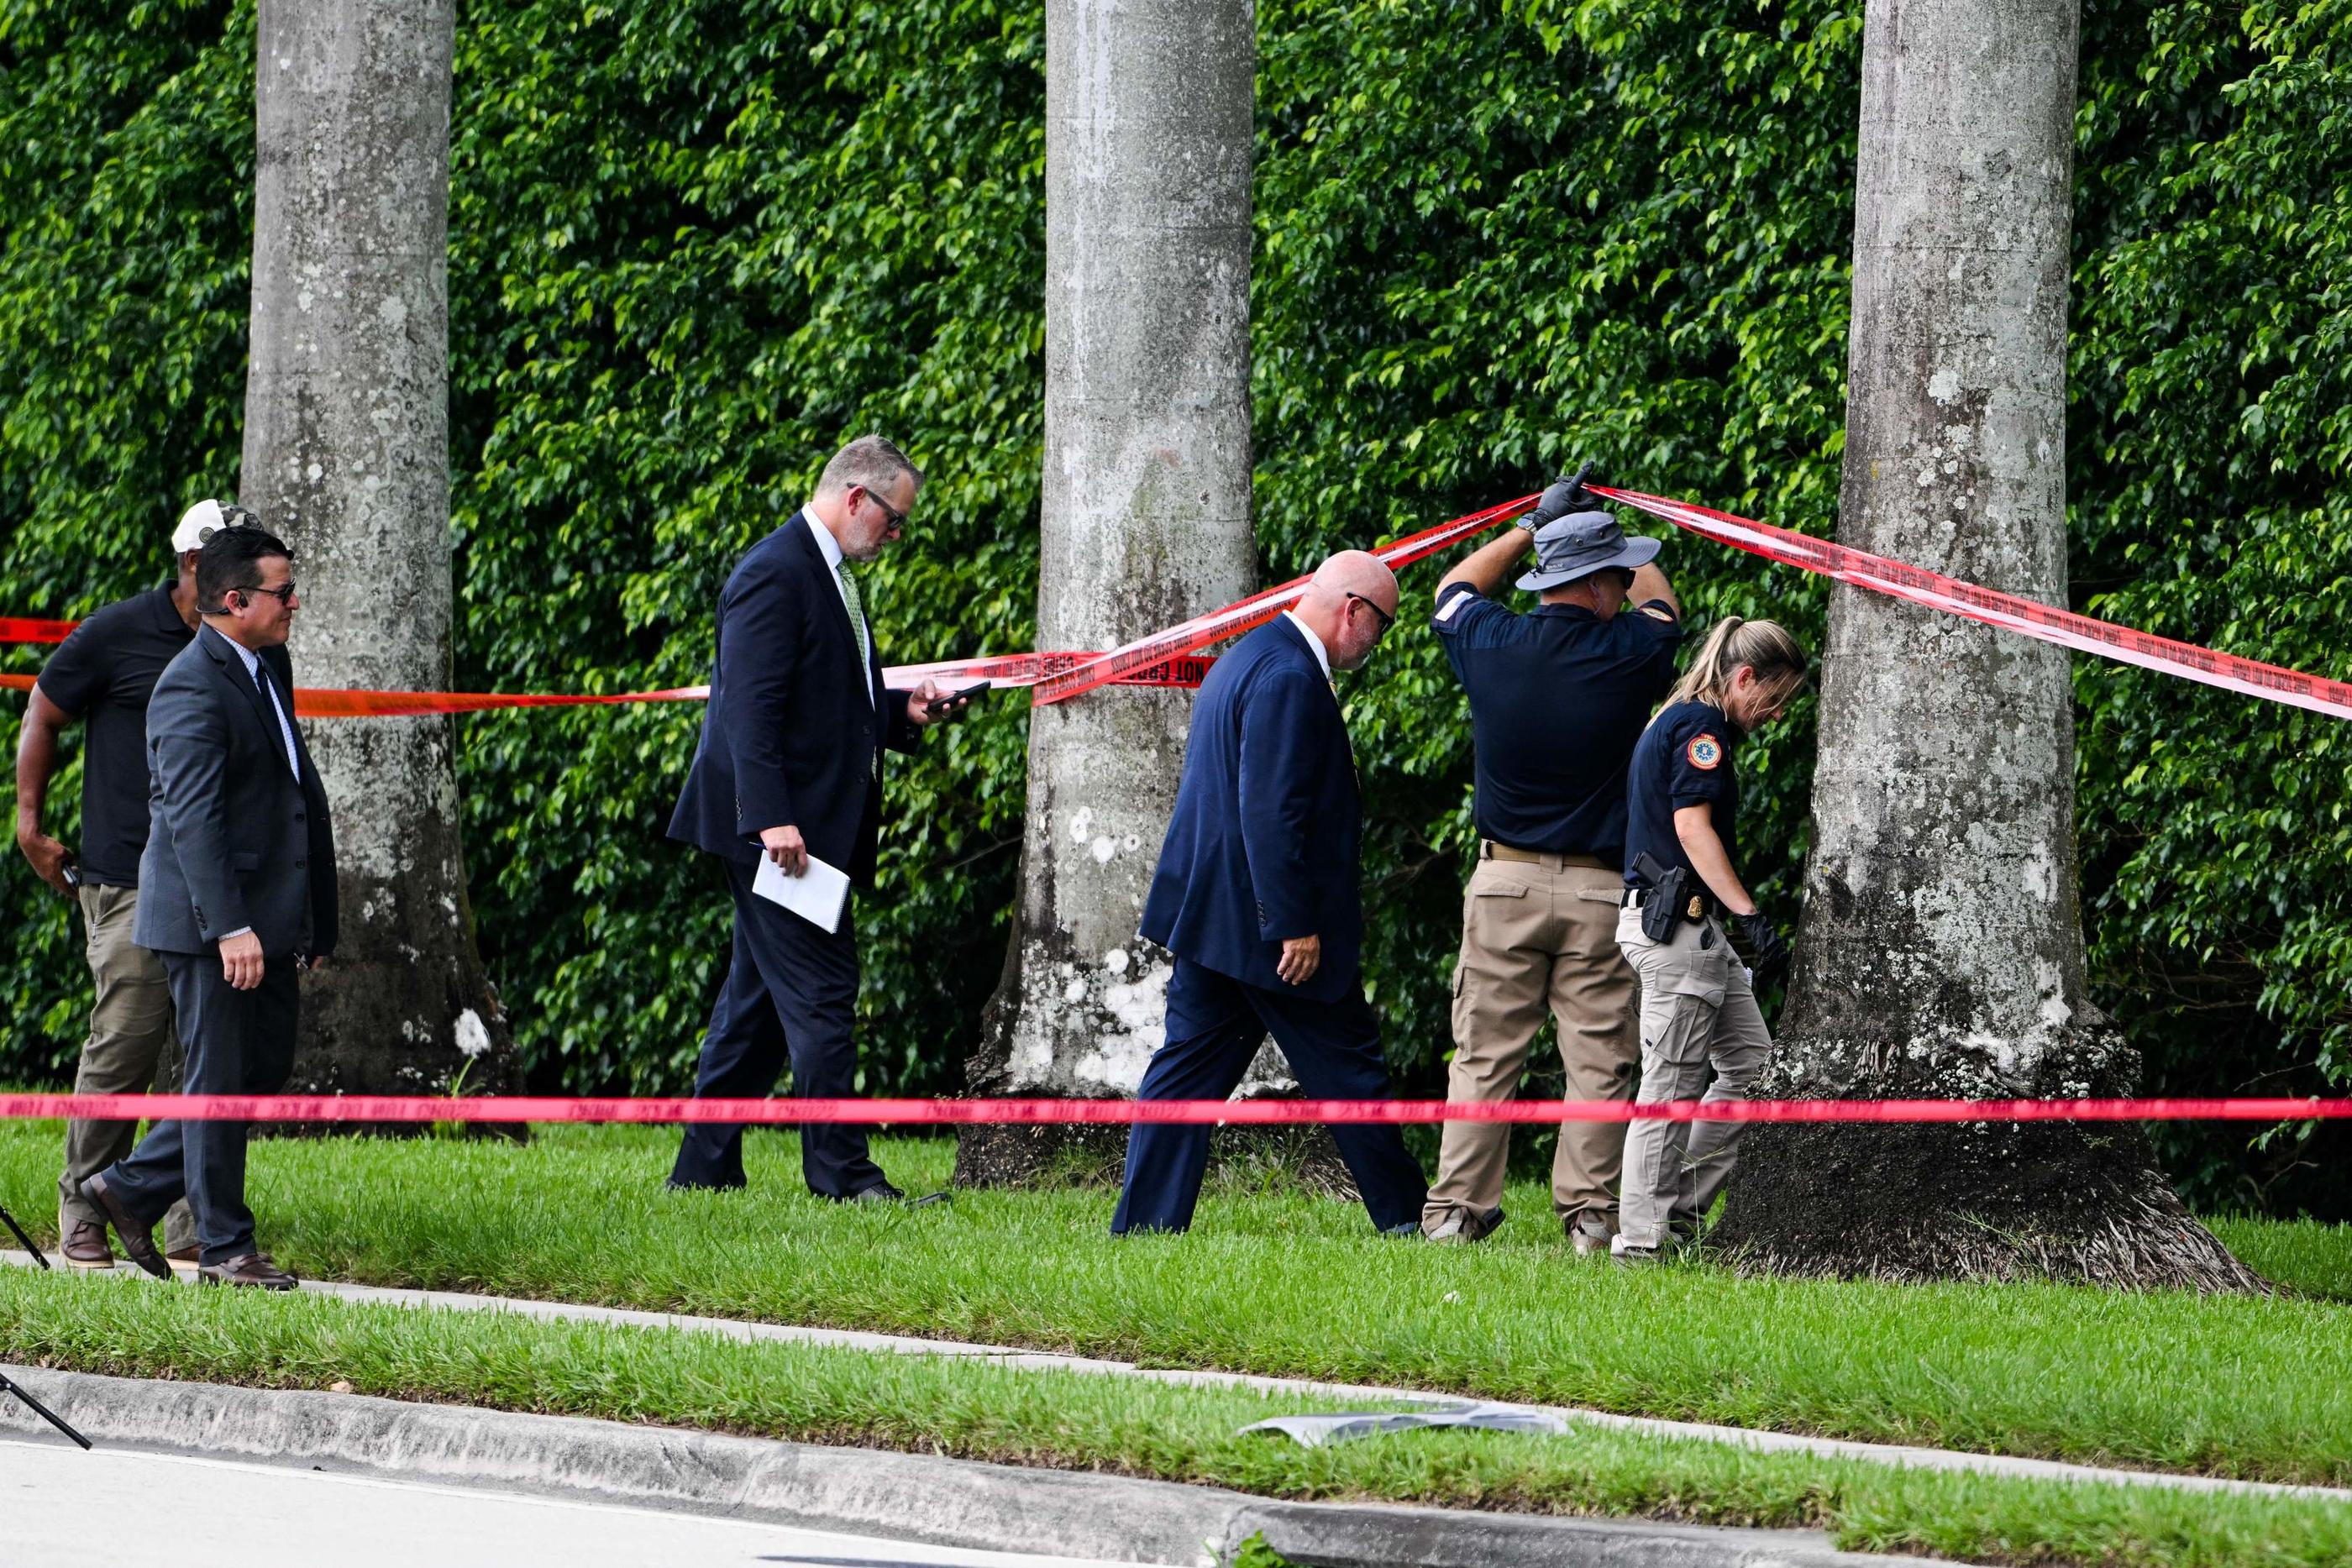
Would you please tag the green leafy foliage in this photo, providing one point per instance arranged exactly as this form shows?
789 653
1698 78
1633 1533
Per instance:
2212 437
696 244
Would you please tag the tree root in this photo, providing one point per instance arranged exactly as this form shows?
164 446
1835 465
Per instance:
2071 1202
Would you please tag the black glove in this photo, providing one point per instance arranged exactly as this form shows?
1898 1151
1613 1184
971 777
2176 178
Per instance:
1562 498
1769 947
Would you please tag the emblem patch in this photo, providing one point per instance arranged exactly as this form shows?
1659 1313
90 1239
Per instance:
1704 752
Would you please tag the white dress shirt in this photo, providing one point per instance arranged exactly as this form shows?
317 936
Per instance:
252 672
829 547
285 730
1322 654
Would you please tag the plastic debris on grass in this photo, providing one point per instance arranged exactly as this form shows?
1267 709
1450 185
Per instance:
1346 1426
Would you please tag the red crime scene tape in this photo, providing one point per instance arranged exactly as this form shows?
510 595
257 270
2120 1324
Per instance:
1192 636
1992 608
1041 1112
1008 670
1167 657
19 629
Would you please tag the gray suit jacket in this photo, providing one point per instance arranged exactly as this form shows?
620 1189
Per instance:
233 840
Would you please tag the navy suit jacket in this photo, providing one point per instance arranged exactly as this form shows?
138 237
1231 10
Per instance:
233 840
1267 831
790 736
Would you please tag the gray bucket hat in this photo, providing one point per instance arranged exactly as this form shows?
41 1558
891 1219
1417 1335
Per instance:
1582 543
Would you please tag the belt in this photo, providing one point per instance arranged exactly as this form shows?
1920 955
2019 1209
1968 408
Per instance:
1488 850
1706 902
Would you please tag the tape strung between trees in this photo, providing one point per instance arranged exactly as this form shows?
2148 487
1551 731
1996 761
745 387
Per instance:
1173 656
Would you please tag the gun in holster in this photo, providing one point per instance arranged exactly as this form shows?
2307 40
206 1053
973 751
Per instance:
1671 897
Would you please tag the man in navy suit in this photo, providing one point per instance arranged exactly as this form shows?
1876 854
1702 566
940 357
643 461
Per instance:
237 892
790 765
1257 895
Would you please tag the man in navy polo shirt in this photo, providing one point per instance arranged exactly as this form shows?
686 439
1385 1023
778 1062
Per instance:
103 676
1557 697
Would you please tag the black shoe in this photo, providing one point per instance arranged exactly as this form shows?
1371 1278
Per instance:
138 1240
253 1270
880 1192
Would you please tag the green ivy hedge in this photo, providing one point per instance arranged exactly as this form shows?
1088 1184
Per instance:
695 245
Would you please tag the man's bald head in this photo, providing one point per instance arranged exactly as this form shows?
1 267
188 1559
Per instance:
1348 602
1355 571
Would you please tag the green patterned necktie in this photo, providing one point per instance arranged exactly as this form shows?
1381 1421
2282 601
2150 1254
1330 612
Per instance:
857 624
857 610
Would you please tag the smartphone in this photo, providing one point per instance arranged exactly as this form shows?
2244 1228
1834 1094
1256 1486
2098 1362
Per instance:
946 700
72 874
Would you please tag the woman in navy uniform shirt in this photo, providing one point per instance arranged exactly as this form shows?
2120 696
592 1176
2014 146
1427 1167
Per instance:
1698 1010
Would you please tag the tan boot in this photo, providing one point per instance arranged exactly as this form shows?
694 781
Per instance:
1589 1232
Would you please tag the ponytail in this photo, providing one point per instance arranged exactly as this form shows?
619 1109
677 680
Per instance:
1764 646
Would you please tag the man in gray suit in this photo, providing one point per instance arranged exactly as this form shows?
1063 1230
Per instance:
237 892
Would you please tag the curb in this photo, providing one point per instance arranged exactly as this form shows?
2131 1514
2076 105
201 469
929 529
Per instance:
1760 1439
940 1501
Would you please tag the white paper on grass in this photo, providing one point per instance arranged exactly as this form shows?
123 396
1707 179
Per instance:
817 895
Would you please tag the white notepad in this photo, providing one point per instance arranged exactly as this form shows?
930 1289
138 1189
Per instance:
817 895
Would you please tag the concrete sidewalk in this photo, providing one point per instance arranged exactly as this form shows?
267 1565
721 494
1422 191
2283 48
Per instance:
305 1515
857 1491
1342 1394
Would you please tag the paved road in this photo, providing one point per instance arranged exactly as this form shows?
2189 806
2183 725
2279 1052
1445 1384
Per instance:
61 1507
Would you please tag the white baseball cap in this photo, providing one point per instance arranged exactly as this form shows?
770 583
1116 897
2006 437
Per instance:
200 522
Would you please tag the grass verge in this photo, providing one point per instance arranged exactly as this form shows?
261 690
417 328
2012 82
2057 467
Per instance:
127 1326
1274 1283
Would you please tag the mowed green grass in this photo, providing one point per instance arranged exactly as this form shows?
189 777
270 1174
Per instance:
1274 1281
127 1325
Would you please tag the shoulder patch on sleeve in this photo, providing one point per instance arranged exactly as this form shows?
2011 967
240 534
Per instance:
1704 752
1659 612
1445 610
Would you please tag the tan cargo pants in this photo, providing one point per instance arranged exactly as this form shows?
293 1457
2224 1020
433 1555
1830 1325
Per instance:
1537 938
1699 1022
131 1046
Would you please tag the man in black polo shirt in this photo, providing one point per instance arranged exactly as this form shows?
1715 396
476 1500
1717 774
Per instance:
1557 697
102 675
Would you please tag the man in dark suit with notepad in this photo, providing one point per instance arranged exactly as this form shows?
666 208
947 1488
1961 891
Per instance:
789 767
1257 894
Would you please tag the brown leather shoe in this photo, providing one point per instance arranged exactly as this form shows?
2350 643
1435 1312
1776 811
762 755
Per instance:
184 1259
86 1246
138 1240
253 1269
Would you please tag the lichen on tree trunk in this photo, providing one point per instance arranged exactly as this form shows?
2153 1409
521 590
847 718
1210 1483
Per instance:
1146 514
1941 950
346 457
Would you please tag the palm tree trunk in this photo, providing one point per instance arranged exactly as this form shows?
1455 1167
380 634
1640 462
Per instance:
1146 517
1941 951
346 458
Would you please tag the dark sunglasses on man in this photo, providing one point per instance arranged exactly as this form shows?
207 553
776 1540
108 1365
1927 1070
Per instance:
1387 619
897 518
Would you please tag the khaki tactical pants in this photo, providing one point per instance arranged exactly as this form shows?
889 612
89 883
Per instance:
131 1046
1538 936
1698 1017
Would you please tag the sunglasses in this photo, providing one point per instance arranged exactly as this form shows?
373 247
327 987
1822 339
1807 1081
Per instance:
1387 619
897 518
231 517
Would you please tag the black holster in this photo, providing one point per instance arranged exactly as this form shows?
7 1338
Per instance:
1665 897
